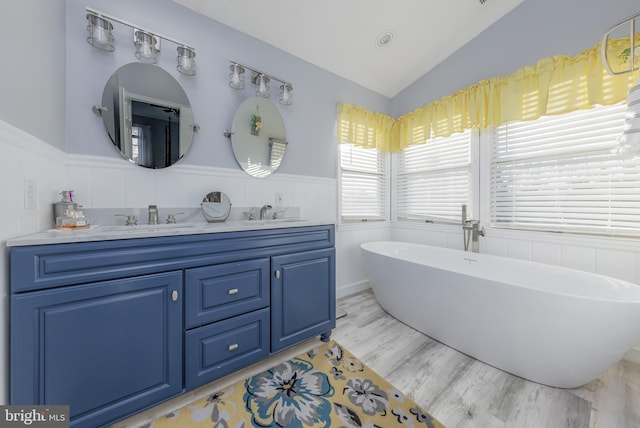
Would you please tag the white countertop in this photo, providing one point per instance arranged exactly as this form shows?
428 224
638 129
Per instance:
109 232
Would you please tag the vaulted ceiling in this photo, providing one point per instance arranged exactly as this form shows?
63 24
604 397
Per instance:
348 37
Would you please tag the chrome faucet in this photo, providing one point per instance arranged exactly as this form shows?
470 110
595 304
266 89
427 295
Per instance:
153 214
263 211
470 231
131 219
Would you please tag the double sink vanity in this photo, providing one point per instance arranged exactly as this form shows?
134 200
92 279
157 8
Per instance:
116 319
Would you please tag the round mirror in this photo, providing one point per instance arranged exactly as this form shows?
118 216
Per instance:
147 115
258 137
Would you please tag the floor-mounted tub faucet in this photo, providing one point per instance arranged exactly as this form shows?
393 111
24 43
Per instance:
470 231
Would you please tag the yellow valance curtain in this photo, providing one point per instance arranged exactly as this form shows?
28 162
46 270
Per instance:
364 128
555 85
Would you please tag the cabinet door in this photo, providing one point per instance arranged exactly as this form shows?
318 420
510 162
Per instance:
105 349
303 296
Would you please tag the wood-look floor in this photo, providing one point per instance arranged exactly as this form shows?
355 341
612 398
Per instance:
458 390
463 392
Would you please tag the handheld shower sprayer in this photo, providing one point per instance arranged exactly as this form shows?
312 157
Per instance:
470 231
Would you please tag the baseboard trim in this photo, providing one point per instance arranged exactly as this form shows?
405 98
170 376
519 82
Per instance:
352 288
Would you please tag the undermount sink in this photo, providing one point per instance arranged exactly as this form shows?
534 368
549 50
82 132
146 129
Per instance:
274 221
186 227
146 227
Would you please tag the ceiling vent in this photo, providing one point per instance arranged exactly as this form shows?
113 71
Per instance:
482 1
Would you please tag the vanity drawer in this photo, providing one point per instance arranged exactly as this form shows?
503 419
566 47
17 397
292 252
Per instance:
214 293
220 348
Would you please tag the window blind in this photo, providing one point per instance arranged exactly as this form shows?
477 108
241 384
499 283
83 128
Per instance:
434 179
561 173
363 182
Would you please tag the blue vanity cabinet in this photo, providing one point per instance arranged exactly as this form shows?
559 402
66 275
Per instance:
113 327
106 349
303 297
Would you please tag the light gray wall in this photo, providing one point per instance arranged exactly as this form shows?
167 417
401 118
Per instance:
534 30
310 121
32 98
36 95
33 73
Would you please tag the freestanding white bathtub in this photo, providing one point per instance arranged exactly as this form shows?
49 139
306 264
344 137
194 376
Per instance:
556 326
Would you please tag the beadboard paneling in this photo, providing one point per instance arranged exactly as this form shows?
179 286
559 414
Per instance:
24 157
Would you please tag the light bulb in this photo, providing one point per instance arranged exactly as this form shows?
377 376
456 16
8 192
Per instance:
236 78
186 61
286 98
145 47
100 33
263 86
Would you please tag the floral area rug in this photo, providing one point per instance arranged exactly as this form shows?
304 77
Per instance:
325 387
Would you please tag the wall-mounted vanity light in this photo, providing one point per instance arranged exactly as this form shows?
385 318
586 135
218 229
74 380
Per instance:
261 80
186 60
286 97
147 42
100 33
236 78
147 46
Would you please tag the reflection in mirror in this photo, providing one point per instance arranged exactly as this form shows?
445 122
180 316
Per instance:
147 115
258 137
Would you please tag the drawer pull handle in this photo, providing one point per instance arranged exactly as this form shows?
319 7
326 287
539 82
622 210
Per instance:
233 347
233 291
174 296
277 274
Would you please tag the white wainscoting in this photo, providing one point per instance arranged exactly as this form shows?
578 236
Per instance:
615 257
113 183
23 158
440 235
351 274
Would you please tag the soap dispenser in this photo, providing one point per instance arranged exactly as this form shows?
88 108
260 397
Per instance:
66 204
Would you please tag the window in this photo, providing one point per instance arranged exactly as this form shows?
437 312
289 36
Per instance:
435 179
363 182
136 131
560 173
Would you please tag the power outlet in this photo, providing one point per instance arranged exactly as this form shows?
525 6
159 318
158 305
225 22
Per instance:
279 199
30 194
